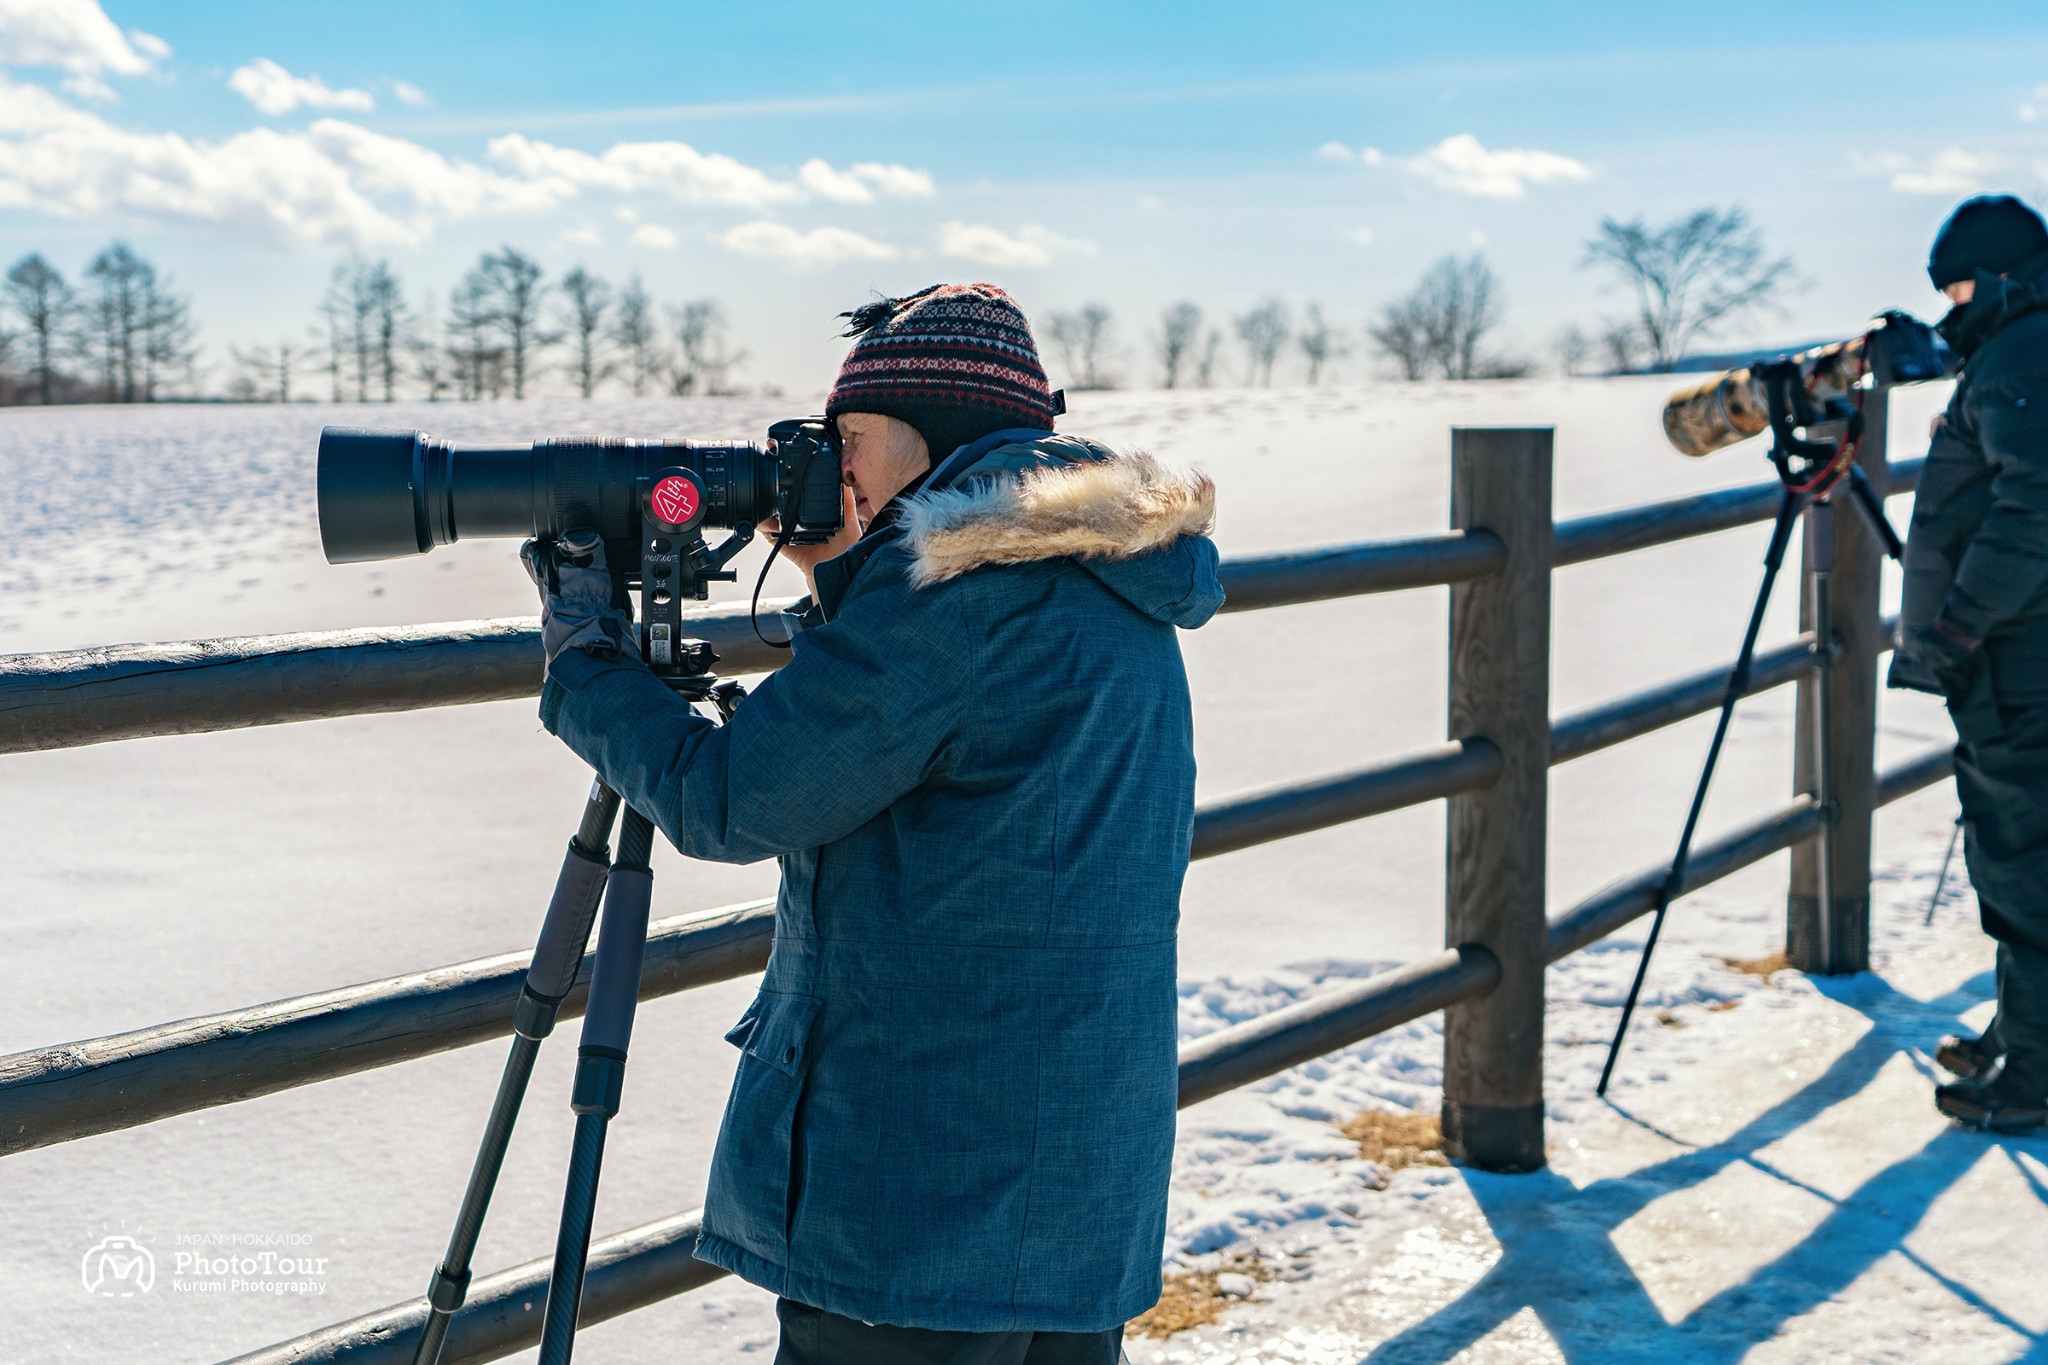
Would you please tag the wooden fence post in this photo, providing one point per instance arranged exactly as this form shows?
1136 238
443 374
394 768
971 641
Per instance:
1495 859
1859 563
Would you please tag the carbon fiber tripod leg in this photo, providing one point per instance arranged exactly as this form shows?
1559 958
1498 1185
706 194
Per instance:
600 1074
556 958
1738 683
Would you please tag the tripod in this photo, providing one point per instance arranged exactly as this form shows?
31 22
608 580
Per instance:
1809 474
675 563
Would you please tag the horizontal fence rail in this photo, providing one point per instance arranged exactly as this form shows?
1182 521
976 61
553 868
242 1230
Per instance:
652 1262
52 1095
55 1094
61 700
1353 570
503 1312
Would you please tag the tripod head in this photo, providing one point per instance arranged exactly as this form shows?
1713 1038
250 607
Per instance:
1833 426
675 564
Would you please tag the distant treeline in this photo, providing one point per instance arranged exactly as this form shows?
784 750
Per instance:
122 336
125 335
506 325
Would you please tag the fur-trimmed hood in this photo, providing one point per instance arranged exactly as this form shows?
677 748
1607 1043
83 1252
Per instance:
1139 526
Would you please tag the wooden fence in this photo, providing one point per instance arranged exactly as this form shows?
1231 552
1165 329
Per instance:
1498 558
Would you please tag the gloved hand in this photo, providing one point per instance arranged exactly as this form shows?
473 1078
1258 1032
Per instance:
1953 658
576 610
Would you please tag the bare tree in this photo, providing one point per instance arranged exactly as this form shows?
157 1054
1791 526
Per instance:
1263 331
330 317
1402 336
472 336
1319 342
1179 329
1205 360
47 305
429 358
1690 276
169 336
1084 339
517 293
588 297
635 332
351 306
114 323
704 358
1624 347
1572 347
264 373
1439 326
390 326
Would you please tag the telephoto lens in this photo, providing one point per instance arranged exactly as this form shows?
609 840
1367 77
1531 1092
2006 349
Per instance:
387 494
1731 407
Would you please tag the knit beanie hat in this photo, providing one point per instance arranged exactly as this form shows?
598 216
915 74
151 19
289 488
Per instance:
955 361
1993 232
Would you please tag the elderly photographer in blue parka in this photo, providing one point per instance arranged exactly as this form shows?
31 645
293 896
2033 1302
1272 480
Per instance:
950 1134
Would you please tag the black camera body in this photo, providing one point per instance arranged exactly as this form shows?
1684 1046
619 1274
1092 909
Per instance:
389 494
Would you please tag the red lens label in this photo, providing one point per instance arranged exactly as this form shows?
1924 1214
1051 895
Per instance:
675 500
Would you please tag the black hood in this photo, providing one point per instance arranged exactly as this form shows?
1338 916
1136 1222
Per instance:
1998 301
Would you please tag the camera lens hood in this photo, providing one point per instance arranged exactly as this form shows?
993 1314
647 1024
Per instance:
372 494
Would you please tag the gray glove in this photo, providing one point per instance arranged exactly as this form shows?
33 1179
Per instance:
576 592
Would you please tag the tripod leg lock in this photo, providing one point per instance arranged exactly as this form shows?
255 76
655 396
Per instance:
446 1292
534 1016
600 1079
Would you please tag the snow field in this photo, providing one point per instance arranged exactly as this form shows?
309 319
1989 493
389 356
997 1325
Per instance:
159 879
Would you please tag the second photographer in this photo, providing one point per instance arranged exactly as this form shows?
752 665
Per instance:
1974 630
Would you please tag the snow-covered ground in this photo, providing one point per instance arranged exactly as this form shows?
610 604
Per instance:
1770 1181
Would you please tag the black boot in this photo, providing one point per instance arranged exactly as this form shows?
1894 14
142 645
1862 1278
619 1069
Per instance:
1984 1106
1971 1059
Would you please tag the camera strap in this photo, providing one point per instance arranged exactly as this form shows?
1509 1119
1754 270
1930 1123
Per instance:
754 606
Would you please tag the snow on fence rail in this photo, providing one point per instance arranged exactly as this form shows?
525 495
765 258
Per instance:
1498 559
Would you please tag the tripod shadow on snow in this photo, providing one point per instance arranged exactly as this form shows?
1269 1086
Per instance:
1559 1257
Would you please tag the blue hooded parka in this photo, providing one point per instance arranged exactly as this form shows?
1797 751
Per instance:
955 1101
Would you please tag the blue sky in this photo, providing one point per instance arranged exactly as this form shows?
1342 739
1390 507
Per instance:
788 158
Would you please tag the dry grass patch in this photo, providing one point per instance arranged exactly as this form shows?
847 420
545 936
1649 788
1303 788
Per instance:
1395 1140
1191 1298
1759 967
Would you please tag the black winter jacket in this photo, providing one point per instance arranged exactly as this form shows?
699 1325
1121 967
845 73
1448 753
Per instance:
1977 553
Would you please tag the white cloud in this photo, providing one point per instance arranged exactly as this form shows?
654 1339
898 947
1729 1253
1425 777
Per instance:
274 90
337 183
1459 163
334 184
1337 151
1951 171
1030 246
1362 236
2030 108
694 177
77 36
819 246
654 235
896 182
675 168
408 93
863 180
583 236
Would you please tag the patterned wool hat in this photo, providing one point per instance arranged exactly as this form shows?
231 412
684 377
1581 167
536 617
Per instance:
956 361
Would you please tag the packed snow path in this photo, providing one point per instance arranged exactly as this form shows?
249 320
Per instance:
1771 1183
